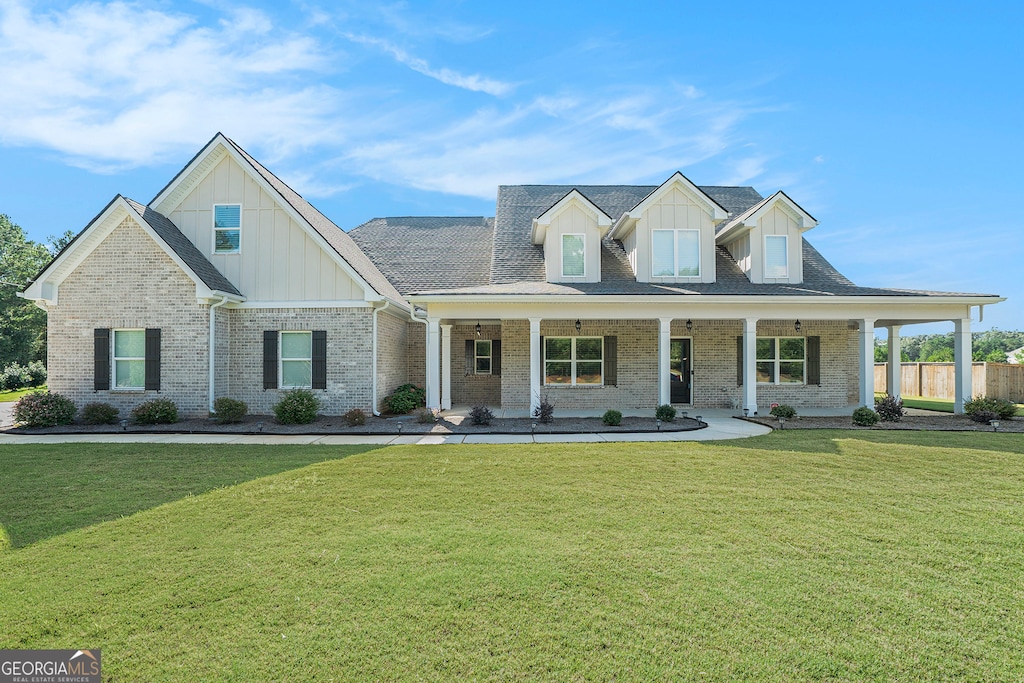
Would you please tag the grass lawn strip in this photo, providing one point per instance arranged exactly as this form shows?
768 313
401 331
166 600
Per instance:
797 556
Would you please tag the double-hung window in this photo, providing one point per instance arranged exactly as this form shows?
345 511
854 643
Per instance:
675 253
296 360
129 359
776 256
574 360
227 228
482 356
781 360
574 255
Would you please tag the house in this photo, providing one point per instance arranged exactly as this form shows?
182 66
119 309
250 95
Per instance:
229 283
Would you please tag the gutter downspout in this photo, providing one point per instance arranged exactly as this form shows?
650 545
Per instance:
376 310
223 300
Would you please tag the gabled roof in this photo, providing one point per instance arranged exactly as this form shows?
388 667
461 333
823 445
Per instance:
209 281
749 218
573 197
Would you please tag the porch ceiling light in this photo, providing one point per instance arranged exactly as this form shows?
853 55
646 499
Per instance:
798 326
689 325
579 325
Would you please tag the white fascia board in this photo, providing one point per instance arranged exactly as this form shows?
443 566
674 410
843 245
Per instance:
622 227
679 180
702 299
573 198
346 303
748 220
218 143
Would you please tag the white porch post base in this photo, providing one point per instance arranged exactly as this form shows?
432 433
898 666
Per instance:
446 367
750 365
534 365
433 364
664 345
867 363
894 376
962 360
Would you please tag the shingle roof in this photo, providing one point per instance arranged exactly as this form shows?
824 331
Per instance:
339 240
426 252
184 248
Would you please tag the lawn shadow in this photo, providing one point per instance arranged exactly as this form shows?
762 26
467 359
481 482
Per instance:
827 440
51 489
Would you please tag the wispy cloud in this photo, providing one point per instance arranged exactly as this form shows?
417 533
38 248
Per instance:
473 82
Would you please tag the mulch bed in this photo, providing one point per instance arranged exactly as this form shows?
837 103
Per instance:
406 424
939 422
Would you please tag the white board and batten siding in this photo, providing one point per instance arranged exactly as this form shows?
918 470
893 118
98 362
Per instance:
573 220
277 259
776 222
674 210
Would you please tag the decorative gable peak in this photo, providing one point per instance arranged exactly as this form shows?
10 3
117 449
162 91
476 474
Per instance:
574 198
677 181
749 218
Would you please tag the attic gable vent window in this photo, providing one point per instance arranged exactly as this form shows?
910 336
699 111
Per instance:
227 223
776 260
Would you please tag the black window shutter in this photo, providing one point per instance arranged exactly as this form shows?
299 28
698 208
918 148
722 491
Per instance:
739 361
470 357
496 357
319 359
611 361
269 359
101 359
542 361
153 359
814 360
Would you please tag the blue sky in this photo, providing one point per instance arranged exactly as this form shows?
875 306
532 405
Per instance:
897 125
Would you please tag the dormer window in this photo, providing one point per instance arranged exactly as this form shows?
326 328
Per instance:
776 259
227 228
573 255
675 253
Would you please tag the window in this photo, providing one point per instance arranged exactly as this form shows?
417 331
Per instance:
482 356
781 360
573 255
776 256
227 224
574 360
129 359
675 253
296 360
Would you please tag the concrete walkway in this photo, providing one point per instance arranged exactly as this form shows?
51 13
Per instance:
718 428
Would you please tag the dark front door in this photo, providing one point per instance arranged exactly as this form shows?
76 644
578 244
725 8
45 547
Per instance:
679 369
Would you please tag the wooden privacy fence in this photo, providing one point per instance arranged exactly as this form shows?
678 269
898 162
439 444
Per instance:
936 380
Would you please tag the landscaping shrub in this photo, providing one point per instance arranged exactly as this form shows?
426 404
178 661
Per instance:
426 416
783 410
545 412
15 376
297 407
228 410
890 408
354 418
865 417
99 414
983 416
159 411
481 415
612 418
1000 406
665 413
36 373
405 399
44 409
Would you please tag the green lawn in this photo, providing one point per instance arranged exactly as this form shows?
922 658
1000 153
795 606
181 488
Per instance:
801 555
941 405
11 396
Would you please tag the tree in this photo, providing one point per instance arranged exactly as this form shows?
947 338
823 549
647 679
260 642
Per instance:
22 324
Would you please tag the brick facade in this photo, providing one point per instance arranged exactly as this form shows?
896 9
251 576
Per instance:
471 389
392 354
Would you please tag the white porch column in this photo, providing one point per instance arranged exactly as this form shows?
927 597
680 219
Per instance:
433 363
750 365
894 375
446 367
534 365
867 363
962 360
664 346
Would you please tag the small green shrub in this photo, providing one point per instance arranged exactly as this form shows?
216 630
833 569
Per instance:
228 410
15 376
889 409
99 414
481 415
983 416
545 411
783 410
665 413
865 417
426 416
44 409
612 418
159 411
297 407
405 399
36 373
1000 406
354 418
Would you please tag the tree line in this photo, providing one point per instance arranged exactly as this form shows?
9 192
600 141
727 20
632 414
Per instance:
991 346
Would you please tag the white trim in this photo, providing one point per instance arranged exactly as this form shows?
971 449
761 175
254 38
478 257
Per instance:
114 358
573 198
336 303
748 219
214 229
692 368
489 357
583 237
676 277
628 220
281 360
573 361
778 360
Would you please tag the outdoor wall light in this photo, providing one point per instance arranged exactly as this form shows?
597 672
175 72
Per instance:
995 425
579 325
689 325
797 325
478 328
